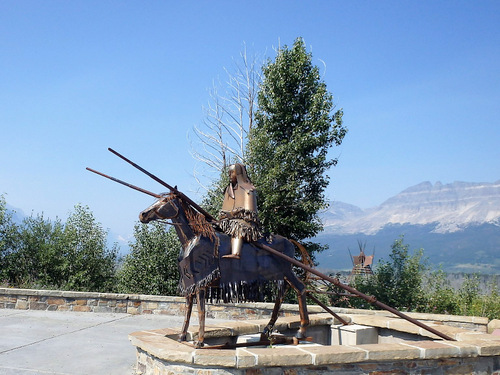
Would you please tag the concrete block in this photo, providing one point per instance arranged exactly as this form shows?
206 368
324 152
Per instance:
493 325
354 335
466 349
371 320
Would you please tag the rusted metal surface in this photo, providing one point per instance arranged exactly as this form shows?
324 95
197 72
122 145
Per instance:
254 268
273 340
185 232
234 279
369 299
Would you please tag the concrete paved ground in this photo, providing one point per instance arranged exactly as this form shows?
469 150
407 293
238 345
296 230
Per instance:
51 342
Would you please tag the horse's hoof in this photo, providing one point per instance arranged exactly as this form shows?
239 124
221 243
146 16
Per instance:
181 338
198 344
300 335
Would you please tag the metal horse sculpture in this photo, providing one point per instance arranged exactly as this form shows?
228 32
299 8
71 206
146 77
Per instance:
203 270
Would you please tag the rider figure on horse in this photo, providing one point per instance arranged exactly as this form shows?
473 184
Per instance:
238 217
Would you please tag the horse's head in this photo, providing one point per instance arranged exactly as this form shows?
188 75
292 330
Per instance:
164 208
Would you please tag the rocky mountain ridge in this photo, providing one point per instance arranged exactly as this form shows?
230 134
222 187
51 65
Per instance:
448 207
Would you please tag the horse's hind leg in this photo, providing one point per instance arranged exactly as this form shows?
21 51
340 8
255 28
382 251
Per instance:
200 301
187 317
274 316
300 288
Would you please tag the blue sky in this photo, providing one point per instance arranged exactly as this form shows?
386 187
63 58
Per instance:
419 83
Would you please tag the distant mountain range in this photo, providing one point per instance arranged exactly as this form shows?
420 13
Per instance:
457 225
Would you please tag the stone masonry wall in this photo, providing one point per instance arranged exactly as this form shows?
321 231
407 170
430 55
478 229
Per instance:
56 300
442 366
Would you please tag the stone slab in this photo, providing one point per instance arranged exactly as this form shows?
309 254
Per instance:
326 355
378 352
433 349
281 356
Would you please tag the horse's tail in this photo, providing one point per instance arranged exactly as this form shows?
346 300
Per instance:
305 257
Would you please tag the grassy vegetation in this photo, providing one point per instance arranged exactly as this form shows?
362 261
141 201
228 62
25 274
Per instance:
406 283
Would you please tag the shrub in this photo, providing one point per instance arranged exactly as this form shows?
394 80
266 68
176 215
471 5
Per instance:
151 266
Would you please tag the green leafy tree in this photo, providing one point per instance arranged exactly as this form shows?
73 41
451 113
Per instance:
151 265
488 304
88 264
469 294
38 259
42 254
398 282
295 126
441 297
9 237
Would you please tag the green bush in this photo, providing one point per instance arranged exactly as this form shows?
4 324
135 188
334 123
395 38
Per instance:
87 262
407 284
398 282
39 253
151 266
9 238
475 303
440 297
38 258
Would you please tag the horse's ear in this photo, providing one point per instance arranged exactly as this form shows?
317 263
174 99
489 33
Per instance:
175 187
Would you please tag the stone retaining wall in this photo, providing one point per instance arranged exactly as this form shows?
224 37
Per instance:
438 366
56 300
471 352
477 355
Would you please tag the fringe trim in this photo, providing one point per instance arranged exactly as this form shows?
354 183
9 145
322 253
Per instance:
241 291
241 223
214 275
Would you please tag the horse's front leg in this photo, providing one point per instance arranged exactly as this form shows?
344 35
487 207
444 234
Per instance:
187 317
266 333
200 301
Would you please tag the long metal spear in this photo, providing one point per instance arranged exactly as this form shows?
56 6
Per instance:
125 183
171 188
369 299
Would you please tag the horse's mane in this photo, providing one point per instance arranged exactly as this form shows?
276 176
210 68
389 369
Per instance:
197 221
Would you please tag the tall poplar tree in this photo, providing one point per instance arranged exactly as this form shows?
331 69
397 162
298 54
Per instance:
295 126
